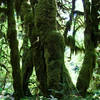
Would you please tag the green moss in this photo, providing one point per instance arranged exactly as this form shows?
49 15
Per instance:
50 53
86 71
45 17
26 13
54 60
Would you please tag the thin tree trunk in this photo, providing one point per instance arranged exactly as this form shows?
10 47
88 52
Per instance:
14 53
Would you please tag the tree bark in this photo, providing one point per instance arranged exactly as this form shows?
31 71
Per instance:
27 58
14 53
90 45
50 66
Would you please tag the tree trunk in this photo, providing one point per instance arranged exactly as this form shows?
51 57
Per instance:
14 53
27 58
86 71
90 44
27 69
50 68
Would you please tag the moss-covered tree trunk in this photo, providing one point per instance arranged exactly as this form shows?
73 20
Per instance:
86 70
90 42
27 58
14 53
27 69
50 68
27 64
51 48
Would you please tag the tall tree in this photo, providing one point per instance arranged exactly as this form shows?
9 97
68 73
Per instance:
14 53
90 41
27 58
50 66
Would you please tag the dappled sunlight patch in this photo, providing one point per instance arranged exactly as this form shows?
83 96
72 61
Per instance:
73 63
